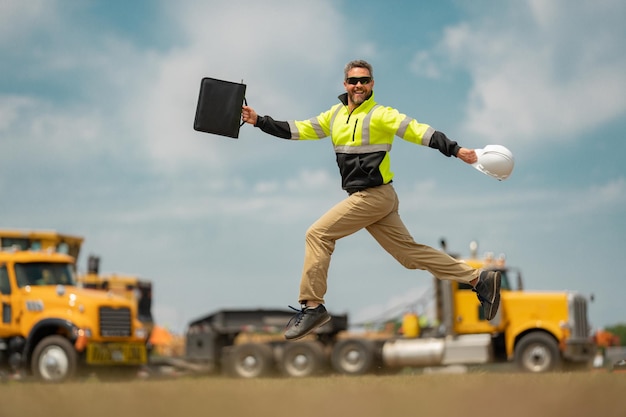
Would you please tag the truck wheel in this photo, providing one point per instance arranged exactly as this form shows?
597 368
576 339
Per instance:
302 359
353 357
54 359
537 352
251 360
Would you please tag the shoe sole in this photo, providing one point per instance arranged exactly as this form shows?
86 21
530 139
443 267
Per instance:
316 326
495 303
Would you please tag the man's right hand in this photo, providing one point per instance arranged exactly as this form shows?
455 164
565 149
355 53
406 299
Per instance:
248 115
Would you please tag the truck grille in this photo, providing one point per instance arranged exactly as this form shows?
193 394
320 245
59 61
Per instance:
578 316
115 322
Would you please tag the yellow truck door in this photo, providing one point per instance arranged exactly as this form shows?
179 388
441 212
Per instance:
469 317
8 306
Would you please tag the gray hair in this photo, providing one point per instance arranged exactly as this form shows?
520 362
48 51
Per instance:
357 63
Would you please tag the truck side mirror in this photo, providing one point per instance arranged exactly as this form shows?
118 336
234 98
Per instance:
520 282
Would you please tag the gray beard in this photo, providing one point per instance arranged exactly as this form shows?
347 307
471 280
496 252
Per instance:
358 102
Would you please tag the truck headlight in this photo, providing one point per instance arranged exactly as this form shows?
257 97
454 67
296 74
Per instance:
141 333
82 333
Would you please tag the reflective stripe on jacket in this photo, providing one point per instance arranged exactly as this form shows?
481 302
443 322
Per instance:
362 139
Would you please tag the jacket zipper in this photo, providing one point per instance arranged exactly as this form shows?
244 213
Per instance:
356 122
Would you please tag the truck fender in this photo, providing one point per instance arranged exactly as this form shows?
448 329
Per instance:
516 332
41 330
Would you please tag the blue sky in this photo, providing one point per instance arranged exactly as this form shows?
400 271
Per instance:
97 100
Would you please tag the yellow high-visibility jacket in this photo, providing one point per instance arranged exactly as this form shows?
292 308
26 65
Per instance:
362 139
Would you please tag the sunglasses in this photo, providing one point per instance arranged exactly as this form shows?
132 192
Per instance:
356 80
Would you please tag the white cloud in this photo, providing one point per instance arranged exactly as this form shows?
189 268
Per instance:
143 100
10 109
603 198
316 180
536 74
230 42
30 124
18 18
571 203
423 65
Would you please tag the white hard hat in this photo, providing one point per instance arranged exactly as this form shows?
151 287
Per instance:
495 161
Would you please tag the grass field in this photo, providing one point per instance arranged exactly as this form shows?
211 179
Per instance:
466 395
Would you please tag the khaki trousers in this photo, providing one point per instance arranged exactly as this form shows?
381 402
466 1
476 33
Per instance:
375 209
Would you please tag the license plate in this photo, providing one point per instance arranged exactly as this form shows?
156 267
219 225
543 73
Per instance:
116 353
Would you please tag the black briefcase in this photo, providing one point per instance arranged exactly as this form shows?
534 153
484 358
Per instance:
219 107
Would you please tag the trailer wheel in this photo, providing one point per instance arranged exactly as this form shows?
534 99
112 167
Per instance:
54 359
537 352
302 359
353 357
251 360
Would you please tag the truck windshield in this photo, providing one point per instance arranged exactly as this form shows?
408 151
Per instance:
43 273
505 284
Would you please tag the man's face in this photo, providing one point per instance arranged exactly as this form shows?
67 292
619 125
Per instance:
357 85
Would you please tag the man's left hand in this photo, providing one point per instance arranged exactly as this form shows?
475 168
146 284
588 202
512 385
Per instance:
467 155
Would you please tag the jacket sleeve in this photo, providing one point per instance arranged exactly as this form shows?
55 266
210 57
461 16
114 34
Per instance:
441 142
276 128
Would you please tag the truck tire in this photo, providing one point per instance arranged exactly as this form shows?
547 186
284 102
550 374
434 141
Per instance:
54 359
302 359
538 352
353 356
250 360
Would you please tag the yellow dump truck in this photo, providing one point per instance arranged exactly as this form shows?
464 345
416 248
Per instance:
55 330
129 286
